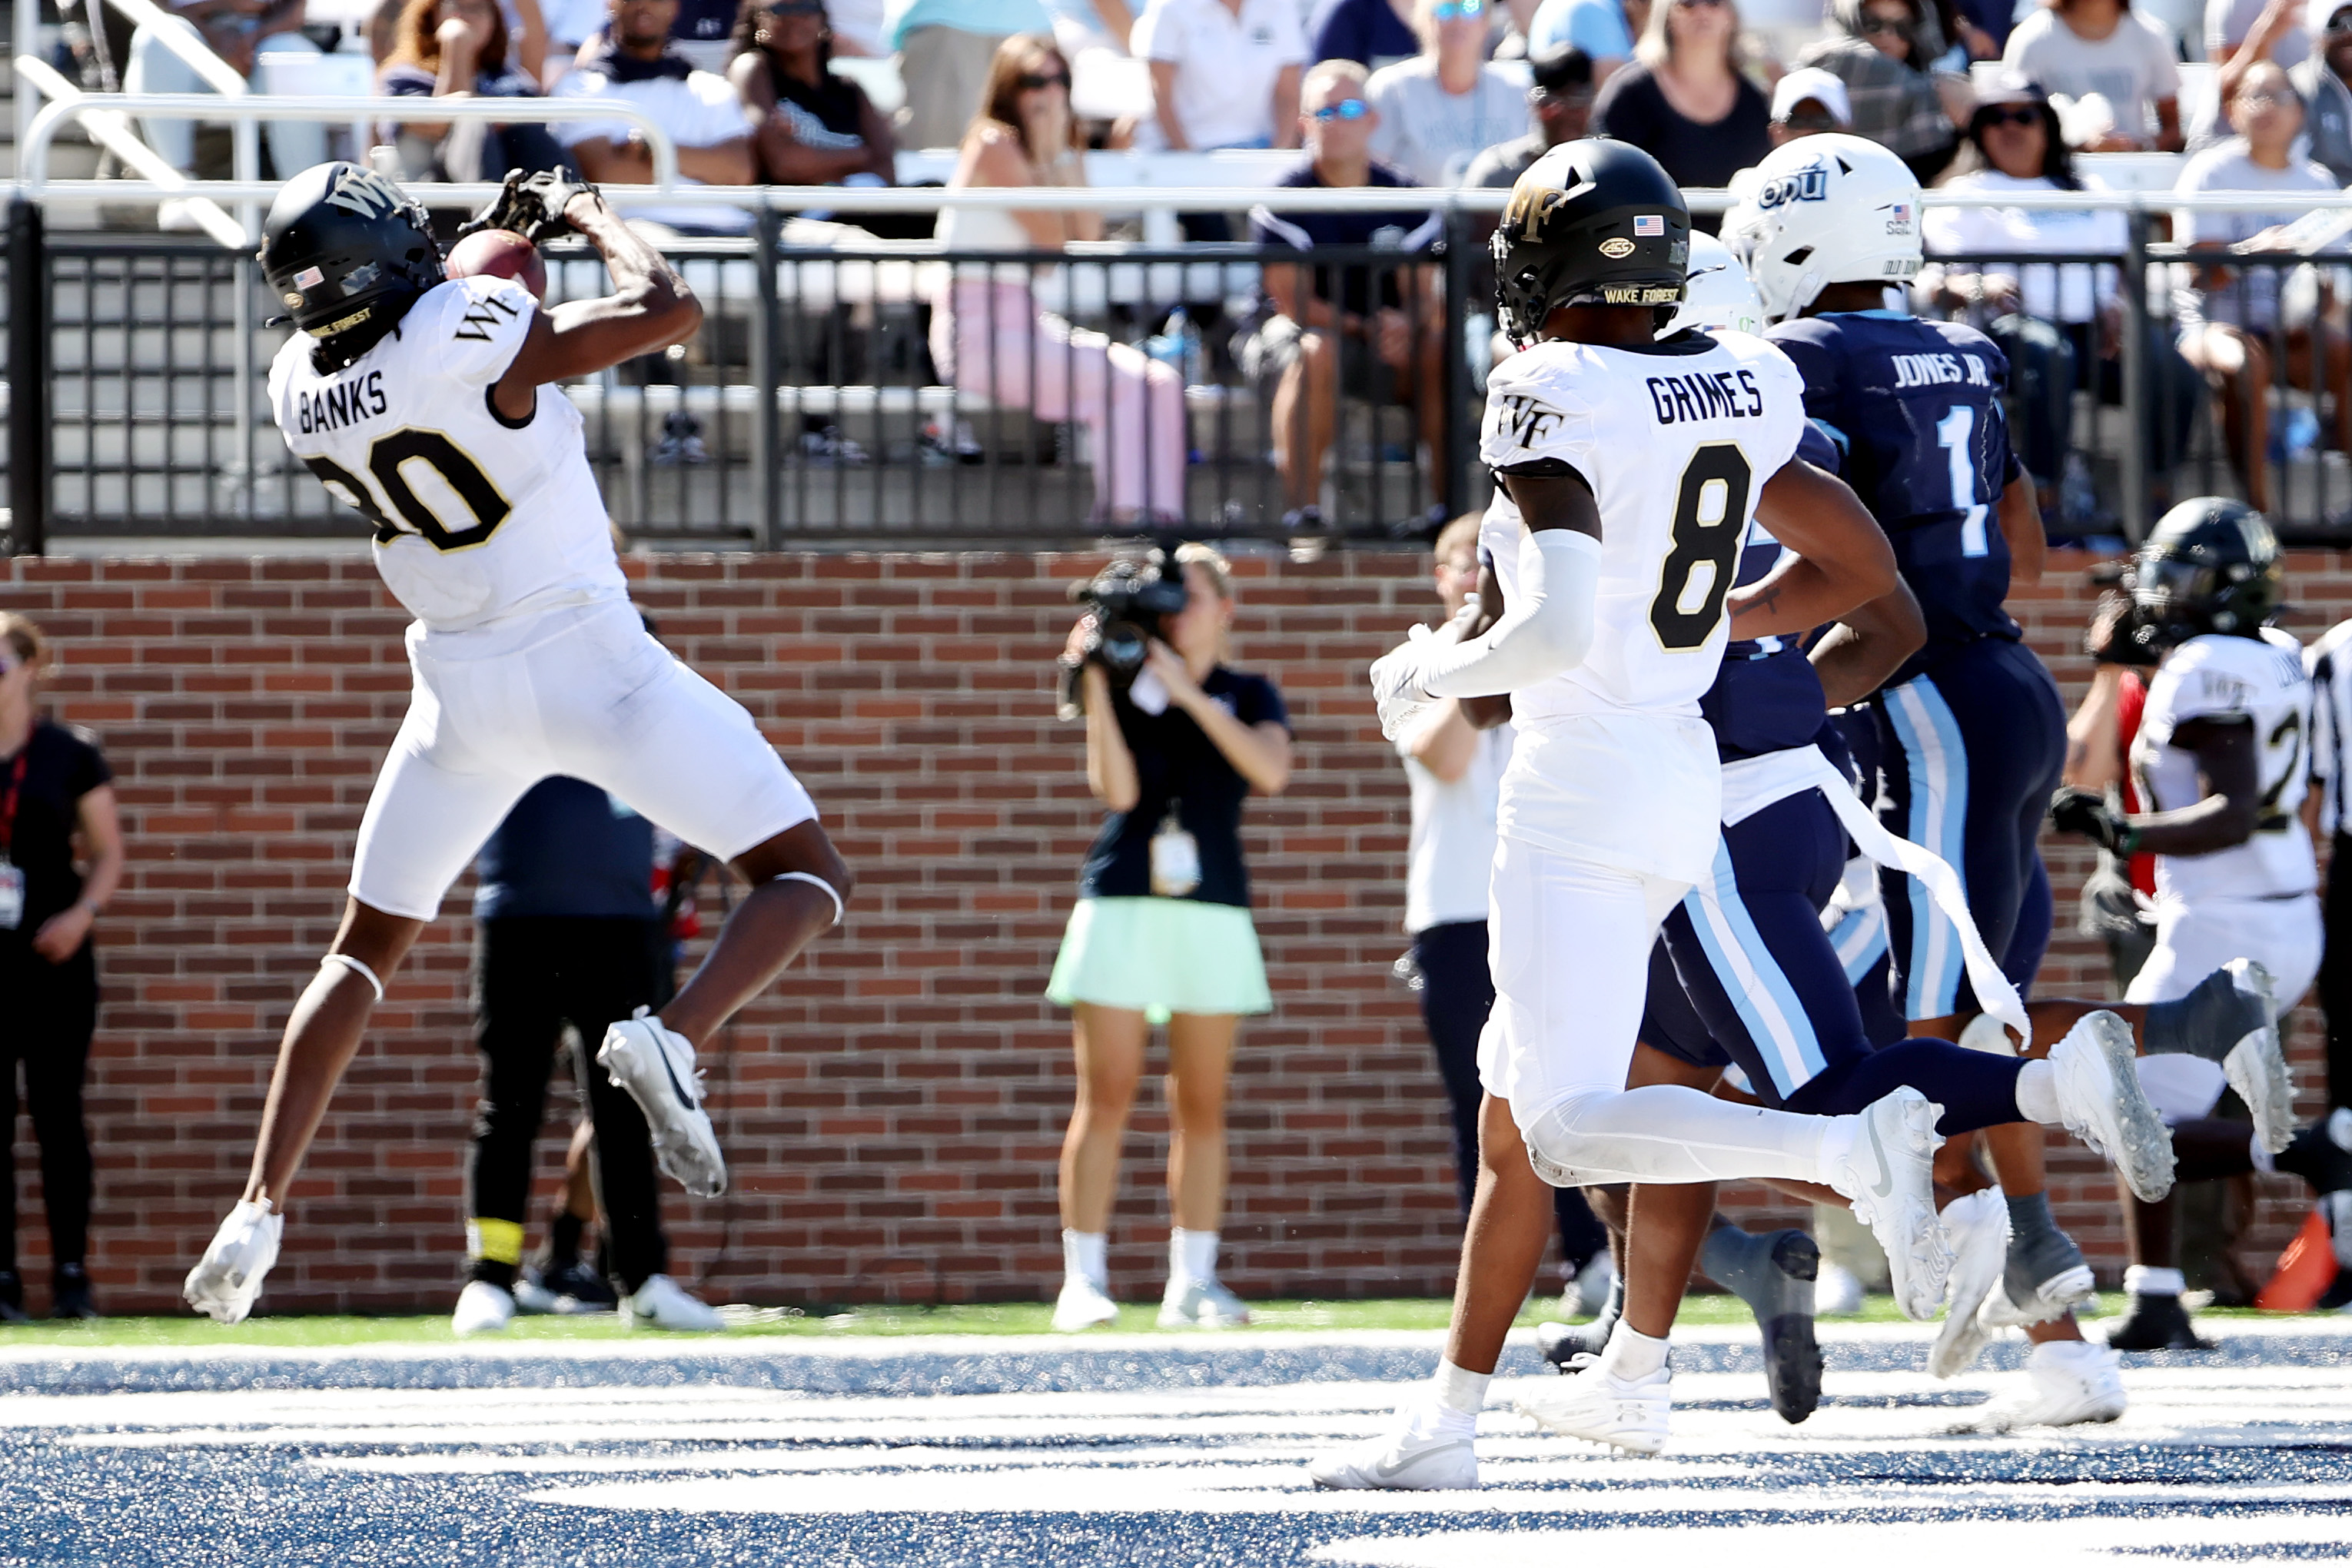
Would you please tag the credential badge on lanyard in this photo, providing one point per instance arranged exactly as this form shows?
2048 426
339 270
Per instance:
12 875
1175 858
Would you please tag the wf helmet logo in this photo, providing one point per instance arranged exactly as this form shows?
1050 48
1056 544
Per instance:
363 191
1530 204
1808 184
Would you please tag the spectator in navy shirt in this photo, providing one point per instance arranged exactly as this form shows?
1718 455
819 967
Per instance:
568 933
1373 331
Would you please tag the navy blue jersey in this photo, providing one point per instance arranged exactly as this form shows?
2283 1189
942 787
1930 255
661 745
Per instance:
1767 698
1916 405
567 848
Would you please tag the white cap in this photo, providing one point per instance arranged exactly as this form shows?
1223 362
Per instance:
1811 81
2315 16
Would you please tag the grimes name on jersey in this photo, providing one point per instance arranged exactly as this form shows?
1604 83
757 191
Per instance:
342 403
1716 394
1939 370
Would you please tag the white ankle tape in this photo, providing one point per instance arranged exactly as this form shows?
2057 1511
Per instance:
814 881
356 967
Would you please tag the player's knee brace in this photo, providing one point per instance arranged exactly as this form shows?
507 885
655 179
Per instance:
345 960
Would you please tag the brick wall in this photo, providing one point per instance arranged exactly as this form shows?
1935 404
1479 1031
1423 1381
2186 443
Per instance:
893 1112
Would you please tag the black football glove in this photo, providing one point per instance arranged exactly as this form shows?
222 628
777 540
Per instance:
530 205
2086 812
2118 636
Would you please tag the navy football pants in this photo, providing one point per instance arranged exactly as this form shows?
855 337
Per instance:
1744 973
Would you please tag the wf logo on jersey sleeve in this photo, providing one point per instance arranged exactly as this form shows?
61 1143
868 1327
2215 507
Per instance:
1526 422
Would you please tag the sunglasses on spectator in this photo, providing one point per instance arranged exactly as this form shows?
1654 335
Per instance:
2259 95
1560 97
1033 81
1810 119
1695 5
1457 10
1872 24
795 8
1346 109
2016 114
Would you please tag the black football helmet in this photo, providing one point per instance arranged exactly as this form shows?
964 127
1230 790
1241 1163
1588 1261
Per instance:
1593 222
2208 565
348 253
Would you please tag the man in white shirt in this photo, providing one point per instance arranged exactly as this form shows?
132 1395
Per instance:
701 111
1225 73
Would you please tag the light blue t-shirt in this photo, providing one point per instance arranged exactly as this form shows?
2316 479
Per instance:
1596 26
989 18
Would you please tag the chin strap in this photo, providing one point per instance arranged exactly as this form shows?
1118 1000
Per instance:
356 967
814 881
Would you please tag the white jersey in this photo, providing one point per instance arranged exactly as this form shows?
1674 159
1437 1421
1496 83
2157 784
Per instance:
2231 678
2329 660
476 519
1677 441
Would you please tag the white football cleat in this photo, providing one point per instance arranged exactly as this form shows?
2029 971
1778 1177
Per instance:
1082 1305
2074 1383
1978 1226
2256 1065
1887 1171
661 1302
1628 1413
482 1308
1201 1304
1838 1291
2102 1103
229 1277
1411 1458
656 1067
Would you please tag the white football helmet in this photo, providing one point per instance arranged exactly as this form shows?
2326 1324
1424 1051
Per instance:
1825 209
1719 294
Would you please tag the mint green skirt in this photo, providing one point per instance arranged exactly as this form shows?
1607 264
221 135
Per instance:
1161 956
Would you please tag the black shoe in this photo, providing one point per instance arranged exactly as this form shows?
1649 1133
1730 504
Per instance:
1777 1285
578 1282
11 1298
1562 1343
2338 1295
69 1298
2314 1155
2155 1323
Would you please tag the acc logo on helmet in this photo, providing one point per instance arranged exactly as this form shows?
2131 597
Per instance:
1617 249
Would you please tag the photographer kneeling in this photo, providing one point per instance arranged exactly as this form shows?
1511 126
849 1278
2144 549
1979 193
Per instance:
1161 932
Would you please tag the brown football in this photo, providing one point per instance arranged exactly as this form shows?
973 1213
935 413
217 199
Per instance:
500 253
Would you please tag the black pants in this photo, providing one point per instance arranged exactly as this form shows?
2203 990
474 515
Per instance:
50 1013
1456 995
533 975
2336 979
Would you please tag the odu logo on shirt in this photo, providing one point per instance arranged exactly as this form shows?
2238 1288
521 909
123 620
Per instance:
1809 184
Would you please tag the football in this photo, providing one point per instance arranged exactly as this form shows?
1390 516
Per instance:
500 253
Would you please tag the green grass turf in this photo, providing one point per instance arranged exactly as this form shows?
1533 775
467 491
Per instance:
1004 1318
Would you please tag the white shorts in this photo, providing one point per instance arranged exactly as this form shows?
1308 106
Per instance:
2284 936
1568 943
585 692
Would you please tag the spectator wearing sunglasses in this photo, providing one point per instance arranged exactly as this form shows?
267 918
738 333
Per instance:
1445 106
1354 329
1882 51
1603 30
2279 31
1809 101
1683 100
1559 107
2078 47
2328 100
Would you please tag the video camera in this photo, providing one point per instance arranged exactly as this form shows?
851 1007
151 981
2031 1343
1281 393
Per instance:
1132 601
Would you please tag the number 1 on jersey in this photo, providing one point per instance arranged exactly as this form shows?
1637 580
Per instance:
1952 433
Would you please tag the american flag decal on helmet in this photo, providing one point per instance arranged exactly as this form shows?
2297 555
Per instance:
1649 226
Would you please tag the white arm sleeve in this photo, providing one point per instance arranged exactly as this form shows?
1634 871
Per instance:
1547 631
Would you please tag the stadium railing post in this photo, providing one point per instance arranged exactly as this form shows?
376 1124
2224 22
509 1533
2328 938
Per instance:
28 380
2132 479
1453 484
767 449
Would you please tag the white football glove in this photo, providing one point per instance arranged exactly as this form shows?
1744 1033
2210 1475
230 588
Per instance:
229 1277
1396 685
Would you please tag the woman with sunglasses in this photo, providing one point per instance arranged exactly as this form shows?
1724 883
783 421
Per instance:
1447 105
57 809
1885 50
1683 100
989 334
812 127
2061 326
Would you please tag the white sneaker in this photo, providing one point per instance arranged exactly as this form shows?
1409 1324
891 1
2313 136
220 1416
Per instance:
1201 1304
1083 1304
2102 1103
1888 1172
2074 1382
1837 1291
482 1308
1414 1458
532 1298
1628 1413
2256 1066
229 1277
1978 1226
661 1302
1589 1292
656 1067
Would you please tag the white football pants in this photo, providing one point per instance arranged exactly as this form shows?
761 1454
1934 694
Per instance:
2285 936
1569 942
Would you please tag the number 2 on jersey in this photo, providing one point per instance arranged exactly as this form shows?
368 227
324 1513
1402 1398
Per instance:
1710 521
1952 433
386 458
